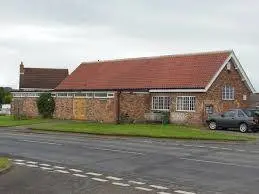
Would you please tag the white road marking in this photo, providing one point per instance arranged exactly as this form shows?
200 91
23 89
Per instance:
114 178
214 147
100 180
200 146
158 187
46 165
143 189
46 168
32 165
19 160
121 184
227 149
20 163
41 142
94 174
183 192
80 175
222 163
75 170
31 162
59 167
187 145
254 152
163 193
62 171
114 150
136 182
240 150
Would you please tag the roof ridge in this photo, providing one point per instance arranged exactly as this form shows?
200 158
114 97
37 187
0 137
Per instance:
159 56
45 68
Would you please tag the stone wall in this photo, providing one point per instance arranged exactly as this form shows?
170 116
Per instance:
63 108
134 105
100 110
25 106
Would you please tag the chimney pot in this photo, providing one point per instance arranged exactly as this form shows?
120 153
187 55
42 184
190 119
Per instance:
21 68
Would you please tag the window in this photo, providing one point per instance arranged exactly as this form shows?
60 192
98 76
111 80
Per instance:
100 95
228 93
160 102
240 113
231 113
186 103
80 95
62 94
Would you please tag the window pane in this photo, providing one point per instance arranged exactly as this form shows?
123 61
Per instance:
100 95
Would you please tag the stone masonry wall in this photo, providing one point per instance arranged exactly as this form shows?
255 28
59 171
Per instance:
25 106
135 105
100 110
63 108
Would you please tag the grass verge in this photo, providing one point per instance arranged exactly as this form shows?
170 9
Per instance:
141 130
4 164
8 121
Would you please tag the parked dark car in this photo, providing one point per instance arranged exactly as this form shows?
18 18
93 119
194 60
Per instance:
243 119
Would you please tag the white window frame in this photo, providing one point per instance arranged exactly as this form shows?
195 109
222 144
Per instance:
164 107
228 92
189 104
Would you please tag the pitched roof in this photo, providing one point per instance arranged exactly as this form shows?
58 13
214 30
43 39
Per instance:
42 78
188 71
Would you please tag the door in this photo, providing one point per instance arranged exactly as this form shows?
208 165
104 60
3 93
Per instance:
79 109
228 119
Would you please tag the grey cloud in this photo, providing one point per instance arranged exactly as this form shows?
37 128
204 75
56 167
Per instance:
63 33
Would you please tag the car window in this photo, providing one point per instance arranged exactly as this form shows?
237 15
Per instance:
249 113
241 114
231 113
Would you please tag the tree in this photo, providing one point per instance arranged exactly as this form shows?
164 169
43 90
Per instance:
2 95
46 105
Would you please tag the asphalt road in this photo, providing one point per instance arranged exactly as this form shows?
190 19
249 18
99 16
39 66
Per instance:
125 164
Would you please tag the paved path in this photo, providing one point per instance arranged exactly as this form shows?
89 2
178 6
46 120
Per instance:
159 166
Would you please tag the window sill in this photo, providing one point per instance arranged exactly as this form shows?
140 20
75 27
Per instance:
164 110
188 111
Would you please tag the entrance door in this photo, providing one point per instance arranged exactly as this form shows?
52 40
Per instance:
79 109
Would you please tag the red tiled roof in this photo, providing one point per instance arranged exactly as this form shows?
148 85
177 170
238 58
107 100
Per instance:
42 78
164 72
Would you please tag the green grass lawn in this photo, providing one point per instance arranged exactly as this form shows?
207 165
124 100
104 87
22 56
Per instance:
4 163
142 130
8 121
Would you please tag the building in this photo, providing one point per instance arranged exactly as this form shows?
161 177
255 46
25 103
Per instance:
33 82
188 86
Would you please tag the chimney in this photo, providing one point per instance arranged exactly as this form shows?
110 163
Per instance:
21 75
21 68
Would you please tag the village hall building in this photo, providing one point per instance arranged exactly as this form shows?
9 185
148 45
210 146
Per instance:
188 86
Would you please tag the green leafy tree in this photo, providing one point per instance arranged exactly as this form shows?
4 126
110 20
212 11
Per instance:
46 105
2 95
8 98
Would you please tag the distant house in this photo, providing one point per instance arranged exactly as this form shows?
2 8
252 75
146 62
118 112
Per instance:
188 86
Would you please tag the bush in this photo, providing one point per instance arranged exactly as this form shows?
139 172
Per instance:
46 105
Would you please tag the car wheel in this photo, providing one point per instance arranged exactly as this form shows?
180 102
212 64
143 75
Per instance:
243 128
212 125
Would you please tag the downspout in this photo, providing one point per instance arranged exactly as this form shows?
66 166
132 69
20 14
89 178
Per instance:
117 108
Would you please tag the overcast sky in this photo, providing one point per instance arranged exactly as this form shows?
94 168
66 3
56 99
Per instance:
63 33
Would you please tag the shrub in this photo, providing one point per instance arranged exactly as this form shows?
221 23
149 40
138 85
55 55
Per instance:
46 105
